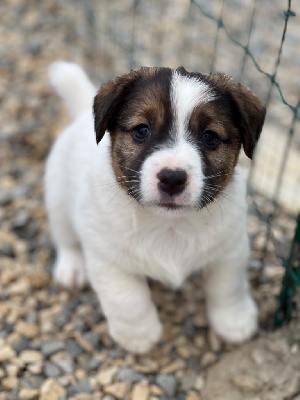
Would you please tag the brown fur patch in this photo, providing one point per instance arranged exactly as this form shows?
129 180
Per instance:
141 97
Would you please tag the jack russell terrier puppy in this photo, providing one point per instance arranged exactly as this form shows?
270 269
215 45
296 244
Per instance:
148 186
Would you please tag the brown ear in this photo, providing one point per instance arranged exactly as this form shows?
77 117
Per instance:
110 97
106 103
250 109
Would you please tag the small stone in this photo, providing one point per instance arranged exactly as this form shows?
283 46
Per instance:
66 366
246 383
199 384
118 390
32 382
189 328
12 370
83 387
29 394
193 396
173 367
6 353
51 370
118 353
35 369
83 396
168 383
188 381
74 349
208 359
26 329
9 383
93 338
106 376
84 343
51 390
13 395
39 280
156 390
52 347
184 351
200 320
21 287
215 342
140 391
94 364
148 366
181 396
31 356
194 363
129 375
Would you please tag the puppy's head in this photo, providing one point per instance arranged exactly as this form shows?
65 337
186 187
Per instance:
175 135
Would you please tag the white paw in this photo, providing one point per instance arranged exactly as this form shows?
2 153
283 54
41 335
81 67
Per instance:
69 270
137 336
234 323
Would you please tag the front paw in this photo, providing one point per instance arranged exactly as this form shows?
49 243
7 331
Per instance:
236 322
136 336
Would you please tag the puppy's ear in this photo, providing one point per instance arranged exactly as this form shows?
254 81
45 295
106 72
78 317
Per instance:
106 103
250 109
111 95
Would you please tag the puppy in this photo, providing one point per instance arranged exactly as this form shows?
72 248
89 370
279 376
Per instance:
150 187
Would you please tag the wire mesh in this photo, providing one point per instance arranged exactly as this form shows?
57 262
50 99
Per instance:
255 41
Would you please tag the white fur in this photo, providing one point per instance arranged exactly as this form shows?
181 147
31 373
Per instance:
98 228
186 94
73 86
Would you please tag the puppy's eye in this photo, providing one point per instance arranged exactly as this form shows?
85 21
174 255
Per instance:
211 140
140 133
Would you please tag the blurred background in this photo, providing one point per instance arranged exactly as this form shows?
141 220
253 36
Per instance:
255 41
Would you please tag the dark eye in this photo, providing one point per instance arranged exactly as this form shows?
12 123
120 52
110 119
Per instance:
140 133
211 140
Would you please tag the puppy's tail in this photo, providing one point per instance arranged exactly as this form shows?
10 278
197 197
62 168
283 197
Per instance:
73 86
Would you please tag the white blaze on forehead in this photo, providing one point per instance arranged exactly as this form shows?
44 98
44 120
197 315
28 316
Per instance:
187 93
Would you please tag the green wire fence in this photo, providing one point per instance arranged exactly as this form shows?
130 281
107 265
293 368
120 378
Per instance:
193 34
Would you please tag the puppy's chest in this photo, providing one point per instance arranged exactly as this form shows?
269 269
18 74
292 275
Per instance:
170 252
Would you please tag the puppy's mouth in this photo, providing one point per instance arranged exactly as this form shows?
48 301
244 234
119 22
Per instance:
171 206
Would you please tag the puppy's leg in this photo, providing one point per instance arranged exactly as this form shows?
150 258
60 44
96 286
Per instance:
230 307
132 317
69 268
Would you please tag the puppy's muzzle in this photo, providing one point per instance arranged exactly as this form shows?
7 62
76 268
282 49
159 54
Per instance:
172 181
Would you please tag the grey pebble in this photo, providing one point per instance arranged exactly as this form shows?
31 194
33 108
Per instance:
82 387
129 375
74 349
93 338
32 382
194 363
94 364
66 366
51 370
118 353
62 319
7 250
188 328
13 394
21 219
52 347
84 360
181 396
188 381
6 198
21 345
32 318
168 383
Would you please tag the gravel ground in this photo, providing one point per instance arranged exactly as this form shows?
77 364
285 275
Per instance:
54 344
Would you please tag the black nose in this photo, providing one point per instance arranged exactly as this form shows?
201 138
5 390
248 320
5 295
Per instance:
172 181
